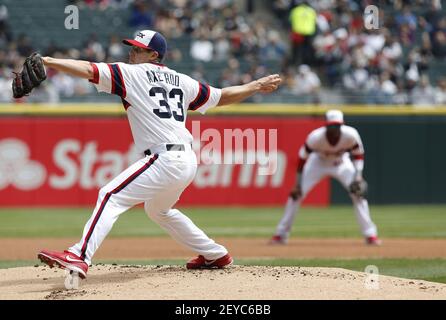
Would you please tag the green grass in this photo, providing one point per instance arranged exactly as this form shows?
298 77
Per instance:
410 221
423 269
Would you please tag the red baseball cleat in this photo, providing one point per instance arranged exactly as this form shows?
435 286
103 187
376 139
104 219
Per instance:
278 239
201 263
64 260
373 241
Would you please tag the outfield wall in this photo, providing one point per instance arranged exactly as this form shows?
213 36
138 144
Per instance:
405 158
66 152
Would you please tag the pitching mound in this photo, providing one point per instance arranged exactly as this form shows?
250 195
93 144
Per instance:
237 282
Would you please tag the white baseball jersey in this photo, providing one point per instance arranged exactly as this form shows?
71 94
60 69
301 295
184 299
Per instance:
349 142
156 99
326 160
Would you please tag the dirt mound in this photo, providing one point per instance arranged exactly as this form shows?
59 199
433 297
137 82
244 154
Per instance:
237 282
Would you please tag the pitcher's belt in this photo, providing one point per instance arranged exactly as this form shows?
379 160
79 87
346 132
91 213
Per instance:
165 147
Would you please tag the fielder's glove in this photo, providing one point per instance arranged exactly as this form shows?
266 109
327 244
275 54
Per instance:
358 188
296 193
32 74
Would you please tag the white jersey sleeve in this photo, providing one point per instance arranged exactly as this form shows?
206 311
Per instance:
203 96
308 146
111 78
304 152
358 149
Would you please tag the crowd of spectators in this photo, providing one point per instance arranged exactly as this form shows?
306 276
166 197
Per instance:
388 65
216 31
333 50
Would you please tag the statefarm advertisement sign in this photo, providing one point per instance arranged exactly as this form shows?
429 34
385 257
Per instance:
64 161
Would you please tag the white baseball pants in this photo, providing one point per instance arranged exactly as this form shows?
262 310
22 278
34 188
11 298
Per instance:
157 181
315 170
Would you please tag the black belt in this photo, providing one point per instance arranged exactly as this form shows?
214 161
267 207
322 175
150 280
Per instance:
169 147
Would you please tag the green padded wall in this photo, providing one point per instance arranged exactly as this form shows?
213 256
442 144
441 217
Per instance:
405 159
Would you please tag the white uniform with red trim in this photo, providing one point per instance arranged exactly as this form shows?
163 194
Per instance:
320 159
156 99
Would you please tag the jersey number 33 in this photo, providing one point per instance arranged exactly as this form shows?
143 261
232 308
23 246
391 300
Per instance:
165 111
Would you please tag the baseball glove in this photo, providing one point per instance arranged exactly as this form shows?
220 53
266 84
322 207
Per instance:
296 193
31 76
359 188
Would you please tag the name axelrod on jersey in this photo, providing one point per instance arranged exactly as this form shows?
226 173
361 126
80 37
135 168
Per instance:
169 78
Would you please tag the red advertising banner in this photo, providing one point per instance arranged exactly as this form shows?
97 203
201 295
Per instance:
64 161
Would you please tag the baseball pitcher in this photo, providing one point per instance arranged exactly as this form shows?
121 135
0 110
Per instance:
156 100
336 151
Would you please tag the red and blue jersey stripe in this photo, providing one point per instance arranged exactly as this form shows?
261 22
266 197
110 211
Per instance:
117 81
202 97
125 103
